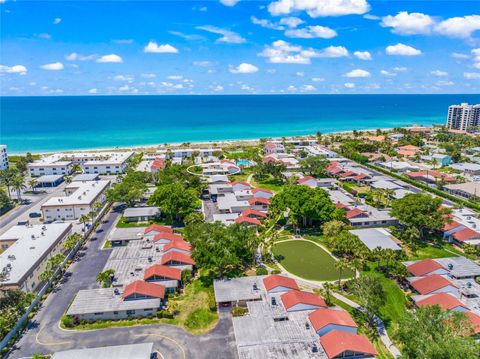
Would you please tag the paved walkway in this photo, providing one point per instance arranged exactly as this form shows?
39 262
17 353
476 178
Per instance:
378 322
318 285
249 178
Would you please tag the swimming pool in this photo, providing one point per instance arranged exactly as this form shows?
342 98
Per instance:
245 163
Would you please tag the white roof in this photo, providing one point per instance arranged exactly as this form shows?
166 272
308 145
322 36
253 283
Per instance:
31 244
466 166
84 193
141 211
229 200
376 237
384 184
225 218
128 351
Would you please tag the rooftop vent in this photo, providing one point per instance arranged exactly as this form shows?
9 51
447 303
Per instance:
32 247
450 266
255 286
116 291
11 257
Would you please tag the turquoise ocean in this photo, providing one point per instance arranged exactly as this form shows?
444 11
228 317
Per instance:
42 124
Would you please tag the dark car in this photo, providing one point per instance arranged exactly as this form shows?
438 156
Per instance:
35 214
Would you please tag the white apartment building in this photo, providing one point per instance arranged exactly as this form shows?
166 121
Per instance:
51 165
3 157
463 116
187 152
104 162
91 162
79 200
28 249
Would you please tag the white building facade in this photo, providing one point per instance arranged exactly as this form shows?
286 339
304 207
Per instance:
3 157
463 116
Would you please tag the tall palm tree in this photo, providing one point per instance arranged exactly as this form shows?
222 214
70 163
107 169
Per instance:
92 215
84 219
328 287
341 265
18 185
33 184
76 168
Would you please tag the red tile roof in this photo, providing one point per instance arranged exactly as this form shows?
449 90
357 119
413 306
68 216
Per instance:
335 170
348 174
423 267
275 280
163 271
354 213
325 316
258 189
247 220
410 148
465 234
158 228
270 145
337 342
449 226
360 177
332 165
168 236
178 244
475 319
444 300
254 213
177 257
144 288
158 163
432 173
261 200
295 297
305 179
433 282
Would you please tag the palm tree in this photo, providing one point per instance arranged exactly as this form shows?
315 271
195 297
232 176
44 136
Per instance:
341 265
328 287
33 184
92 215
377 254
84 219
18 185
76 168
71 241
105 277
389 256
97 206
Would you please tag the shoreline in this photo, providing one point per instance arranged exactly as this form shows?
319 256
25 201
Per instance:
219 143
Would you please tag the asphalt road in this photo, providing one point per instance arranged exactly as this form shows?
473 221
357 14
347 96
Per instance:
44 335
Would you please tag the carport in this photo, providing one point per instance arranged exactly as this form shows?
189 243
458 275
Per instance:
49 181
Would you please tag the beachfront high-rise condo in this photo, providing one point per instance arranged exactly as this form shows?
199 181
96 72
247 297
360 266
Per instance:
3 157
463 117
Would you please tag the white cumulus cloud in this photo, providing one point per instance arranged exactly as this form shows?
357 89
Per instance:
439 73
154 48
56 66
472 75
363 55
229 2
79 57
459 27
402 50
388 73
311 32
92 91
57 21
317 8
15 69
244 68
357 73
349 85
282 52
228 37
405 23
266 23
112 58
291 21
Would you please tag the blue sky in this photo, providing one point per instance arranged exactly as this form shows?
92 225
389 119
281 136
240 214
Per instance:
239 47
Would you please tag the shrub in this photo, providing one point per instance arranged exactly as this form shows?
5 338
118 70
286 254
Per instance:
238 311
164 314
67 321
261 271
199 318
150 316
276 271
186 276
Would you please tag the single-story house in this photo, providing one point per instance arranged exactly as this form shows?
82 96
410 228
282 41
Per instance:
324 320
446 301
295 300
339 344
432 284
376 238
275 283
141 214
130 351
466 190
49 181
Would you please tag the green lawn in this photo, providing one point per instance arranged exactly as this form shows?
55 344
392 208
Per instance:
122 224
268 184
427 251
307 260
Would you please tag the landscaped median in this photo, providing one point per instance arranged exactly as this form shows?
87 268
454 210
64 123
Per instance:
194 310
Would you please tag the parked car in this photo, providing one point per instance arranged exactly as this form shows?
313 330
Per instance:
35 214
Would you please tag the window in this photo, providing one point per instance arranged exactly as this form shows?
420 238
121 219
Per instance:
98 313
130 312
115 312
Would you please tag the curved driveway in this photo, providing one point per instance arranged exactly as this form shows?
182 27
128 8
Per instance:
44 336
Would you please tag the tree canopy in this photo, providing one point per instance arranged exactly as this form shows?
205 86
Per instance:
220 248
314 166
130 190
306 205
174 200
420 211
430 332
